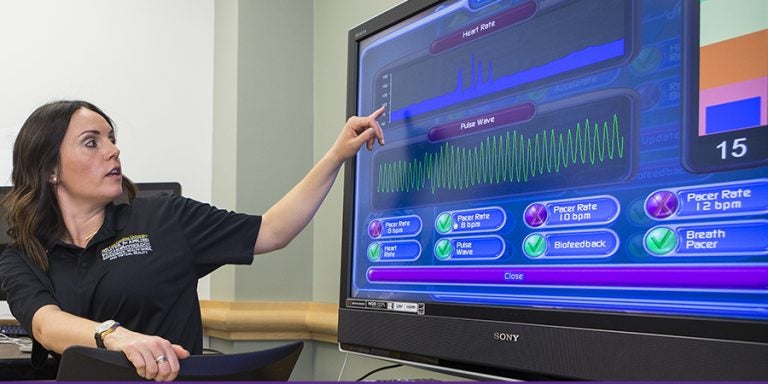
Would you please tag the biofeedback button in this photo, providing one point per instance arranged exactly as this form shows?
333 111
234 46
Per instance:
595 244
401 226
534 245
403 250
488 219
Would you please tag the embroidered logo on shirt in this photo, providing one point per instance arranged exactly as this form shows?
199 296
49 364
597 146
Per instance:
127 246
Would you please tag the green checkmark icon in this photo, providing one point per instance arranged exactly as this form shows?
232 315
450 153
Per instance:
443 249
444 222
660 241
637 213
534 245
374 252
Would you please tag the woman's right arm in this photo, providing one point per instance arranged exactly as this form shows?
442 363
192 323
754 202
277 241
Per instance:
57 330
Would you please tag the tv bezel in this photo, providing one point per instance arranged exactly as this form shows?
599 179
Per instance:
553 344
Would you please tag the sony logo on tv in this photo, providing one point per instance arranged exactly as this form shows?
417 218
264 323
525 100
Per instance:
508 337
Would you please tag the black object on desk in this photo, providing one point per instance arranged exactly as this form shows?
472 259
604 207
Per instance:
13 330
16 365
275 364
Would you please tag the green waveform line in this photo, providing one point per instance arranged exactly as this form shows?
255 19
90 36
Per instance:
503 159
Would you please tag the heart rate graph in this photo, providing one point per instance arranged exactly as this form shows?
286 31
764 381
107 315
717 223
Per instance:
478 69
484 84
585 145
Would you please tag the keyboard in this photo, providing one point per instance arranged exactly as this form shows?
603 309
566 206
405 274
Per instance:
13 330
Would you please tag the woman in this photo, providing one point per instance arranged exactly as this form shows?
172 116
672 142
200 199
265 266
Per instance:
84 270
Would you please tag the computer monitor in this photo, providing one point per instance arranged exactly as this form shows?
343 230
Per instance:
569 189
158 188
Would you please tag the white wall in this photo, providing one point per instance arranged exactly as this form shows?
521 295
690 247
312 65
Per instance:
148 64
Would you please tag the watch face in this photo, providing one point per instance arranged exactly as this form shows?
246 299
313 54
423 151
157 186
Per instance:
104 326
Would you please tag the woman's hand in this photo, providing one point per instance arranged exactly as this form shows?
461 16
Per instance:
155 358
358 130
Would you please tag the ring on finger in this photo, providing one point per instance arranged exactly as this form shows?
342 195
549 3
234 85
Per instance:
161 359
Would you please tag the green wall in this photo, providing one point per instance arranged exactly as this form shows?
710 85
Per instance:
266 140
280 91
333 20
280 81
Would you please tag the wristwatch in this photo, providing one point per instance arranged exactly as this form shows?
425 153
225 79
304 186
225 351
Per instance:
103 330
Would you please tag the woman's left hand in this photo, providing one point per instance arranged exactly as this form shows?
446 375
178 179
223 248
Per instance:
359 130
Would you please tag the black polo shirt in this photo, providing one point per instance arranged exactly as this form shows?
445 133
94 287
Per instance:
140 269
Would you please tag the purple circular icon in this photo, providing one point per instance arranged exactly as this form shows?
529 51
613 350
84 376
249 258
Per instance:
374 229
536 215
661 204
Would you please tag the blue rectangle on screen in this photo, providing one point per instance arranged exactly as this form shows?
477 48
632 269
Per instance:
735 115
477 4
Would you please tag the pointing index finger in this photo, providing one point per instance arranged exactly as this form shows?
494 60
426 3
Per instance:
378 132
378 112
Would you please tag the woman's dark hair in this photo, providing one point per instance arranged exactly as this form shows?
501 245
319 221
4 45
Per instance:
33 211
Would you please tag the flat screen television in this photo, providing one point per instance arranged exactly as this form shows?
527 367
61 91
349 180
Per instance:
568 190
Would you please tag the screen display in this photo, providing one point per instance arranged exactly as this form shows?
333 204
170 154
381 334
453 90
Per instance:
576 155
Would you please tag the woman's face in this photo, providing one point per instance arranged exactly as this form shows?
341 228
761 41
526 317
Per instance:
89 170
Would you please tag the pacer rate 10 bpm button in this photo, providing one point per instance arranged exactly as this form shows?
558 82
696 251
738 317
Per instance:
589 210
